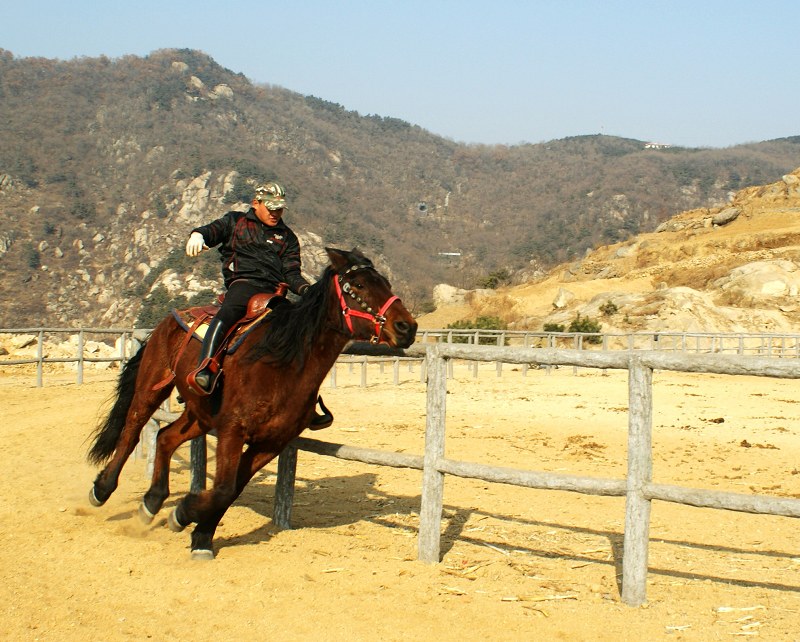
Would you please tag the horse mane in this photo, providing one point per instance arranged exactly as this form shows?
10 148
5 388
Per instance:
290 329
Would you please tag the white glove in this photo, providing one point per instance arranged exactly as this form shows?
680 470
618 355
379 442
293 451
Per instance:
195 244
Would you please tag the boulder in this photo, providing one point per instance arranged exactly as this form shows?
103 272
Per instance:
726 216
562 298
444 294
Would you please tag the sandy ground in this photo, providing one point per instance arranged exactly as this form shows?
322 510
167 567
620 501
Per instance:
517 564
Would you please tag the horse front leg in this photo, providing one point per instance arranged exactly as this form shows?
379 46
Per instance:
207 507
252 460
169 439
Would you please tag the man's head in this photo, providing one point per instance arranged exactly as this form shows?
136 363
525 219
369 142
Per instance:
271 195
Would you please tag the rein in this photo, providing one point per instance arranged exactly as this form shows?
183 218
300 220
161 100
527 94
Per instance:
377 318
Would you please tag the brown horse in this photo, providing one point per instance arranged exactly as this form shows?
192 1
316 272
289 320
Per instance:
268 390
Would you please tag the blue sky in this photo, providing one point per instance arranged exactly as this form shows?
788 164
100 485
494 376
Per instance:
701 73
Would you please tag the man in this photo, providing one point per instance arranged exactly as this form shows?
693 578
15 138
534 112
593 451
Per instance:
258 251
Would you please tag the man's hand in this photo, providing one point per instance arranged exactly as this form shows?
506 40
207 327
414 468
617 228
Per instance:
195 244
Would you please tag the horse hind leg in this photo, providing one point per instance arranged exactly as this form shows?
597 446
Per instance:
139 394
141 409
178 432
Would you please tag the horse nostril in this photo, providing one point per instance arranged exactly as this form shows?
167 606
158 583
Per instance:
406 329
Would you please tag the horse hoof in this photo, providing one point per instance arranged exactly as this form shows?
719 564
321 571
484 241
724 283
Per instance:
174 525
93 498
145 515
202 554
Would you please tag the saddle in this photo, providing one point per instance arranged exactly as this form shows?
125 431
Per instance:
195 322
196 319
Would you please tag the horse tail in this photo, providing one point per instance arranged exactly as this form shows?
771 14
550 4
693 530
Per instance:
108 431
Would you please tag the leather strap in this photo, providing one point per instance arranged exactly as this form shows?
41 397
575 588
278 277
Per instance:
187 337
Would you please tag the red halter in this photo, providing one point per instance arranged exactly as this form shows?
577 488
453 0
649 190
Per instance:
377 318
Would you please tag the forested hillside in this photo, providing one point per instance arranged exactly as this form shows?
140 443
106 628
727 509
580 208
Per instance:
105 165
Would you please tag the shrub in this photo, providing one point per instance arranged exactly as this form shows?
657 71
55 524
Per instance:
160 207
157 306
554 327
586 325
495 279
481 323
32 256
240 191
609 308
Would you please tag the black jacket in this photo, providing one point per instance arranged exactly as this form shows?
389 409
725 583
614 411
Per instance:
251 250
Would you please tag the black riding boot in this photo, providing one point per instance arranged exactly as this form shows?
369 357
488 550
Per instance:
212 340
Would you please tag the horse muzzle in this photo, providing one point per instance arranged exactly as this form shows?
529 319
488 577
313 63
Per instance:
401 334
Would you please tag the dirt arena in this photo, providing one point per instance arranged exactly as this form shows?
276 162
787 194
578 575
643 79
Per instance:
517 564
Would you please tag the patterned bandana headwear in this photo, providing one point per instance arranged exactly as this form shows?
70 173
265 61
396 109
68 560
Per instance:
271 195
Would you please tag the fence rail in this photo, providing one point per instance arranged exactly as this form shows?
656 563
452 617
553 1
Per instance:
759 344
126 340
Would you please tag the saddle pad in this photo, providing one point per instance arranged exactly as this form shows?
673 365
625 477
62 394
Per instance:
187 318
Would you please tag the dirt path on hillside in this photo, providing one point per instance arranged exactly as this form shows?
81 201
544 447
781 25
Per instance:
518 564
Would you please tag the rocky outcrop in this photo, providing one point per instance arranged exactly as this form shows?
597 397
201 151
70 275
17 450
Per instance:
731 269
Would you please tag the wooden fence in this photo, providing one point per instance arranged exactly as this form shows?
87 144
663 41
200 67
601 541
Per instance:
438 355
126 342
761 344
638 487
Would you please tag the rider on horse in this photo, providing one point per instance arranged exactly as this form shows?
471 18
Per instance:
258 253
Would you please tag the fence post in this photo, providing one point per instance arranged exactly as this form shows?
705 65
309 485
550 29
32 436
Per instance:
197 463
149 435
430 513
525 344
333 376
640 472
577 345
501 340
39 358
123 350
80 357
284 487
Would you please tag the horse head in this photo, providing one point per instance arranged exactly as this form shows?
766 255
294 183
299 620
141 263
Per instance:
370 310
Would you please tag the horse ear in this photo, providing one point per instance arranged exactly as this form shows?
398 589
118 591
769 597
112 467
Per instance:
339 258
342 259
358 258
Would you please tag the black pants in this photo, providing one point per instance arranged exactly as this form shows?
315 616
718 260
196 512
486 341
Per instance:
234 305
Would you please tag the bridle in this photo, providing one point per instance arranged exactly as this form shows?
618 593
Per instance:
343 288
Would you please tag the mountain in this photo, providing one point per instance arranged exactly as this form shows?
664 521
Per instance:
107 164
734 268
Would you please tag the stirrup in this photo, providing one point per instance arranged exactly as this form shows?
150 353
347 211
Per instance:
211 366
